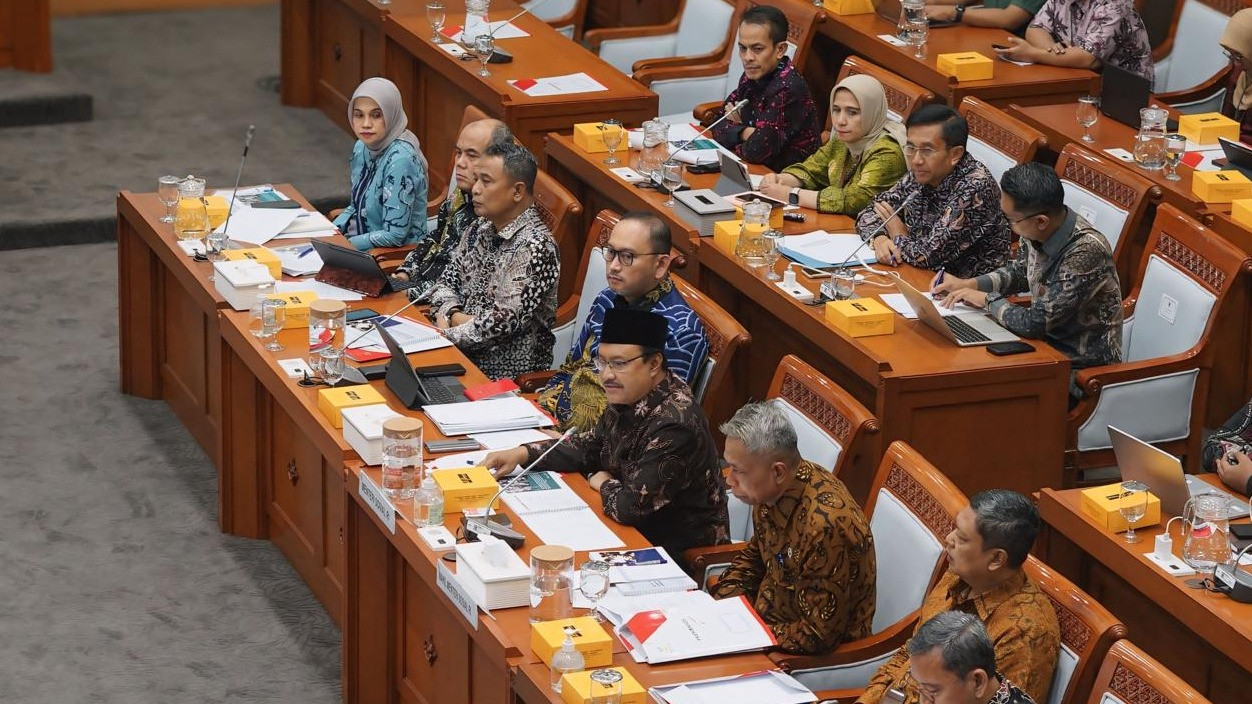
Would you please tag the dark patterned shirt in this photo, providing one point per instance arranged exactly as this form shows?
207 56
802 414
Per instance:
506 281
782 110
1238 432
809 566
1077 300
667 477
1110 30
1008 693
958 226
1020 620
430 256
575 396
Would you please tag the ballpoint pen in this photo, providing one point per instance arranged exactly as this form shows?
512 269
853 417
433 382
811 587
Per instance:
307 251
938 280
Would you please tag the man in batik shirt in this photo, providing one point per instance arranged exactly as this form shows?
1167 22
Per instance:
637 261
809 567
953 661
986 550
778 126
651 455
430 257
496 300
1064 263
1086 34
951 214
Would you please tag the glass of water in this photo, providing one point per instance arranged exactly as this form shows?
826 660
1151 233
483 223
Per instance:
845 283
1088 114
215 244
612 132
1175 145
435 15
671 179
918 30
593 582
167 193
273 317
332 365
484 47
773 240
1133 504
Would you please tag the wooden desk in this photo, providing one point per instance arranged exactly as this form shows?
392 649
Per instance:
530 683
843 35
26 35
282 462
947 402
436 86
1204 638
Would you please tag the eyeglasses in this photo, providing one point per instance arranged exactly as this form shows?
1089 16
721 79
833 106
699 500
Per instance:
626 257
615 365
1233 56
926 152
1026 217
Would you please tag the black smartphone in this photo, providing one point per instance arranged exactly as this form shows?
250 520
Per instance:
373 372
712 167
440 370
1002 349
454 445
811 273
1242 531
360 314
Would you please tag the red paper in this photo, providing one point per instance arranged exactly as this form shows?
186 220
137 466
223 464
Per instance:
1192 159
524 84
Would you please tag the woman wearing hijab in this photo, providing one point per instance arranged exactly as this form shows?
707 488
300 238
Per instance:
1237 43
388 207
863 158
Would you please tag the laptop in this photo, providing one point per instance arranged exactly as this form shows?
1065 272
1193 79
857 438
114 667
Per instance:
1163 474
1123 94
355 270
1238 156
413 389
734 178
963 329
891 10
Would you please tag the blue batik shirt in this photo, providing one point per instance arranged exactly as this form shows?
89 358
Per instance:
388 207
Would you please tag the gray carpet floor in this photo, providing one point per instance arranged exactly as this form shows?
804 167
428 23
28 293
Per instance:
115 583
173 92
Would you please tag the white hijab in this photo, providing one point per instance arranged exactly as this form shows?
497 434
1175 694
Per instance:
387 95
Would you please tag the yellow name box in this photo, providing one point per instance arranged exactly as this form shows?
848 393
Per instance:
216 205
577 688
1241 212
1206 127
331 402
260 255
1220 186
726 235
965 66
846 7
1102 504
471 487
297 312
589 136
861 317
590 639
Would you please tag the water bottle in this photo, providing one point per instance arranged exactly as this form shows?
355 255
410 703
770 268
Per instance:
565 660
428 503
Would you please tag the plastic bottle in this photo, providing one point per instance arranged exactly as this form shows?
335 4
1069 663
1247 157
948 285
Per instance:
565 660
428 503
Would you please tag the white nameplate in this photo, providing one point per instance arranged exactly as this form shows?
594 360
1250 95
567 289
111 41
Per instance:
377 500
456 593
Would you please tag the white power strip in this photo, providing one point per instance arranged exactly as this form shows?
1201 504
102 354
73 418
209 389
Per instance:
796 291
1174 566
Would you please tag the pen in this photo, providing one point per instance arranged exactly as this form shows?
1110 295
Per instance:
307 251
938 280
896 240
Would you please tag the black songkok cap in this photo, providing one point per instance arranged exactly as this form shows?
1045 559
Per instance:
628 326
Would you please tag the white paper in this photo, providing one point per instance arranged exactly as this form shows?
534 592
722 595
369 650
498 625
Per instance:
299 260
257 225
902 306
308 221
893 40
1120 154
619 608
190 247
723 626
504 29
562 498
411 335
830 249
489 415
472 458
768 687
506 439
562 85
629 175
453 48
576 530
322 290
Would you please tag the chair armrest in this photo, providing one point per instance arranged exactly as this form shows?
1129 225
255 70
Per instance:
432 206
704 112
838 696
530 382
1128 305
672 61
654 73
1092 379
335 213
1193 94
879 644
696 560
595 37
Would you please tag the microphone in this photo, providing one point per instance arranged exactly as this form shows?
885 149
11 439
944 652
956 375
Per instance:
733 109
408 305
247 142
477 526
874 233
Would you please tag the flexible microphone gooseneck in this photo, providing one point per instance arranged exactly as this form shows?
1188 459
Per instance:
247 142
874 233
733 109
371 326
484 524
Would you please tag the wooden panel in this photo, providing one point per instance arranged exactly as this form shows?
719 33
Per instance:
62 8
26 35
338 63
629 13
436 649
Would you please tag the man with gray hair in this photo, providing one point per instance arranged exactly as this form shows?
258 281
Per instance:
809 566
953 661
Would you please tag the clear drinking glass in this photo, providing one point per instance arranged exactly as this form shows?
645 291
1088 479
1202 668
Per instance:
1175 145
484 46
435 15
1133 504
671 179
214 245
167 193
551 574
593 582
606 686
331 365
612 133
273 317
1088 114
402 456
773 240
918 30
845 283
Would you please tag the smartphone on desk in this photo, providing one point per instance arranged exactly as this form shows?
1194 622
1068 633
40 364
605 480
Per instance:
1003 349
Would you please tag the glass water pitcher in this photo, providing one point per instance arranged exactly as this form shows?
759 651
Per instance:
753 247
1150 142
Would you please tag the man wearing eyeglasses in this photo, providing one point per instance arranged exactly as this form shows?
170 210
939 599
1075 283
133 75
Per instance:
637 261
651 455
948 204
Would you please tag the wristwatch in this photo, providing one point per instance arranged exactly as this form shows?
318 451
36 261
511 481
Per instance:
793 198
960 14
992 297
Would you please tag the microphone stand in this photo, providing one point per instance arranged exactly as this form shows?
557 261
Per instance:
476 526
733 109
247 142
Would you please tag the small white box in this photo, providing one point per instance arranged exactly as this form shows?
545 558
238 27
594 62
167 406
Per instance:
240 282
363 429
493 587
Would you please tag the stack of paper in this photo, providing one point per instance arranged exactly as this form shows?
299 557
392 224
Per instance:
299 259
411 335
645 571
558 85
695 630
904 308
557 515
486 416
824 249
322 290
618 607
301 224
765 687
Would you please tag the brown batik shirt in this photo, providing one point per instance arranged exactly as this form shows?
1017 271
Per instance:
666 474
809 566
1019 619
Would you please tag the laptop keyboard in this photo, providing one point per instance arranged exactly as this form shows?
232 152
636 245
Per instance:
963 330
443 389
397 284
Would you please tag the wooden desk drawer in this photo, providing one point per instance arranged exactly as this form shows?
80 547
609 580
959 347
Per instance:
435 668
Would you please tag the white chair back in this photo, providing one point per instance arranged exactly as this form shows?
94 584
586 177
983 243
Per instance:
550 9
816 445
1066 664
907 552
592 286
740 519
1192 62
1172 312
702 27
996 161
1106 216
